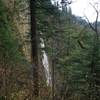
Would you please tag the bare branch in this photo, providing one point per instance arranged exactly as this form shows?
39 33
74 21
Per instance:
81 44
24 9
91 26
97 15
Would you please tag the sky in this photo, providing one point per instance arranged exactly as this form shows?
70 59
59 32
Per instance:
83 8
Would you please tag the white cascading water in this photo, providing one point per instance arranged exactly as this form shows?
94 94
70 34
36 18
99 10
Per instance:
45 62
46 66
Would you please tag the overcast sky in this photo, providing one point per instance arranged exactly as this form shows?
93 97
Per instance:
82 7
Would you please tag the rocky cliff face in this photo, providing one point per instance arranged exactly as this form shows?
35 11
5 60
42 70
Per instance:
19 15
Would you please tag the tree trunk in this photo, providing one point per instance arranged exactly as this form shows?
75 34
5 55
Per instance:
34 46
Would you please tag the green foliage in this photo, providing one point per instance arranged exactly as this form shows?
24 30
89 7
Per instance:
71 45
72 62
13 66
8 43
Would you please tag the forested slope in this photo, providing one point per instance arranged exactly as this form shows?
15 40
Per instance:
71 44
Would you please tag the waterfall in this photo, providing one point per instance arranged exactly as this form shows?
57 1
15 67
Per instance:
45 62
46 66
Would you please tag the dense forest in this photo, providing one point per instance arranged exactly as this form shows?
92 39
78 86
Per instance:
47 53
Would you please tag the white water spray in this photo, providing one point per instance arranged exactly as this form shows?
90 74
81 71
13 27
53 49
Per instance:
46 66
45 62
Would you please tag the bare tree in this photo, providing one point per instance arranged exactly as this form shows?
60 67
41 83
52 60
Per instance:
94 92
